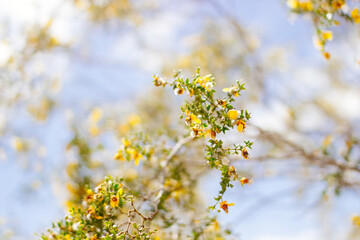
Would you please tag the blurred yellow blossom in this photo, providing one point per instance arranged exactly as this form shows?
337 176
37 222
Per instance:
119 156
355 15
96 115
356 220
94 130
305 6
326 55
327 35
338 4
134 120
134 155
19 144
125 142
327 141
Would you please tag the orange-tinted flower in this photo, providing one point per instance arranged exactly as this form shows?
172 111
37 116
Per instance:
225 206
245 153
213 134
98 197
231 170
245 180
326 55
196 132
114 201
158 81
338 4
221 102
89 196
179 90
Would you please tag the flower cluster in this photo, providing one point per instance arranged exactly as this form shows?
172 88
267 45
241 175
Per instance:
325 14
132 149
207 117
98 216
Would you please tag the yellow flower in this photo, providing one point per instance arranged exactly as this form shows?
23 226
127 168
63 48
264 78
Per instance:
195 119
191 118
98 197
67 237
159 81
327 141
94 130
191 92
245 153
216 226
231 171
233 114
114 201
225 206
245 180
134 155
306 6
123 129
204 80
125 142
89 196
120 192
92 212
327 35
355 15
318 44
19 144
241 125
119 156
196 132
96 115
293 4
232 90
178 90
356 220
